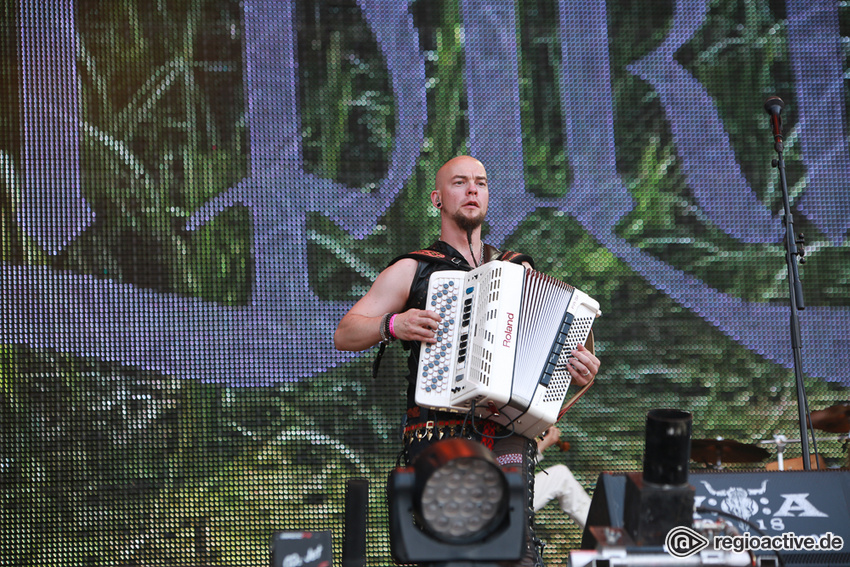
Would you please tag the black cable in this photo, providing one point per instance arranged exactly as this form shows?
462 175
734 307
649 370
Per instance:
471 252
814 438
706 510
471 412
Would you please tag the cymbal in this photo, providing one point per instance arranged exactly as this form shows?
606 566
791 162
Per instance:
835 419
712 451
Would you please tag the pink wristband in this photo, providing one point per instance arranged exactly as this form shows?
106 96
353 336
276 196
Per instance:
392 332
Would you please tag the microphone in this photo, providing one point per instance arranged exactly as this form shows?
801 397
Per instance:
773 106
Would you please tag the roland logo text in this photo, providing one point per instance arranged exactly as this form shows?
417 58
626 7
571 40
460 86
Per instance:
509 331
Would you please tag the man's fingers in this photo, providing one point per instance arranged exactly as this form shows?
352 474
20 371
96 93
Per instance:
417 325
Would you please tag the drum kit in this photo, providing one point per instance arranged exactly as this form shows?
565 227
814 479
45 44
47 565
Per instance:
714 453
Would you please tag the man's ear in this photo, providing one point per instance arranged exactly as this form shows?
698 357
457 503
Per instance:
435 199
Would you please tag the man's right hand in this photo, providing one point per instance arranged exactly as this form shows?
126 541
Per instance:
550 437
417 325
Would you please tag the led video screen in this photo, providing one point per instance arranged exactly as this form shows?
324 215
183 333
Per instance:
194 193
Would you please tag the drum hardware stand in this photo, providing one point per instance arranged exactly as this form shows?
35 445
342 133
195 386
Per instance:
793 249
780 441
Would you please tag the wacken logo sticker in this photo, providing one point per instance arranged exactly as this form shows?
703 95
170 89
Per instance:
755 503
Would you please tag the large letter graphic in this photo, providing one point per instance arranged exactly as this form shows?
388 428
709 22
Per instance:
705 150
761 327
52 210
286 331
815 46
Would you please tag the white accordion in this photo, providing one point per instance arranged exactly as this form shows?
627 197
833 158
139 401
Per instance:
503 345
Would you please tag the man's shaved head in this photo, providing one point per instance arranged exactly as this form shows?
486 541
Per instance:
445 173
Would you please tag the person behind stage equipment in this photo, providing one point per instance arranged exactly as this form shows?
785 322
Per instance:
558 483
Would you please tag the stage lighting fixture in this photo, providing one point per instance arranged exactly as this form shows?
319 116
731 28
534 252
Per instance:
463 494
456 505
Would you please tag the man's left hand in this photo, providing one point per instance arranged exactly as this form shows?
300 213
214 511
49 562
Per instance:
583 366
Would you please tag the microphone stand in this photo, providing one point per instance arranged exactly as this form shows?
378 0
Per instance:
795 290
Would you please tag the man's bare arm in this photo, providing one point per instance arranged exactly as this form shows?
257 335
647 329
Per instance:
360 329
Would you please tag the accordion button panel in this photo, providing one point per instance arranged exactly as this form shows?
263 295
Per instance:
437 361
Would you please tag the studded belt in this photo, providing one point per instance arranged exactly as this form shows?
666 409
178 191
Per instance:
436 430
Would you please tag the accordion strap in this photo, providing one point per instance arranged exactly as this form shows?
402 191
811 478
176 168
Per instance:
515 257
428 255
575 398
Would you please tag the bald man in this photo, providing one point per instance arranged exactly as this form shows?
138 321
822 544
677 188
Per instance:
395 308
